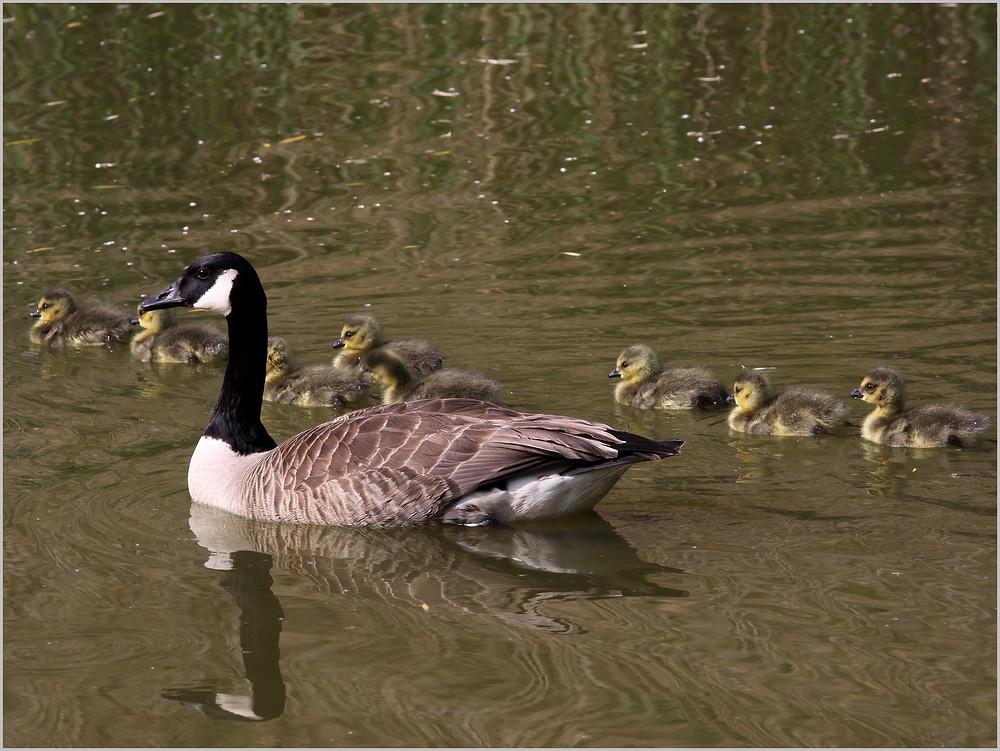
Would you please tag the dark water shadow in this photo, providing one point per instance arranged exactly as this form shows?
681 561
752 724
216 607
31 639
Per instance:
506 572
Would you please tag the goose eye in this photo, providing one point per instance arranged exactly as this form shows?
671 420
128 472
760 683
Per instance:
203 272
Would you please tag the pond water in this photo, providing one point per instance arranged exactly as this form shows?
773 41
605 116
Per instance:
810 188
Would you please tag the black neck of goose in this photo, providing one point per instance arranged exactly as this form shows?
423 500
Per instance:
236 419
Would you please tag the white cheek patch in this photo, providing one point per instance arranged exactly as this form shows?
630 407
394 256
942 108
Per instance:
216 298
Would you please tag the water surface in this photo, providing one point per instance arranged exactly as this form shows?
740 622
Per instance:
531 187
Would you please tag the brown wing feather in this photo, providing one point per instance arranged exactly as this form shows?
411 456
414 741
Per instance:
407 462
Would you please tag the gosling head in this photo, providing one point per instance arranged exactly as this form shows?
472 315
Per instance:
882 387
387 368
360 333
154 320
280 359
751 390
635 364
54 305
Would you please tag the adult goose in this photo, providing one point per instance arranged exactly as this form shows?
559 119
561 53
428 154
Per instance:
926 426
438 460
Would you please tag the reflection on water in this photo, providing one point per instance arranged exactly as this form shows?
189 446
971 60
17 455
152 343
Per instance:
807 187
510 573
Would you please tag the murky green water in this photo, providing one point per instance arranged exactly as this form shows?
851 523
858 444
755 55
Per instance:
532 187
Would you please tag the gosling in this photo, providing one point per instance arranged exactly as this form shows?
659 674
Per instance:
61 322
163 340
917 427
362 333
647 385
400 384
308 385
760 410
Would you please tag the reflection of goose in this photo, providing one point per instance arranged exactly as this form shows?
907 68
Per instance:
919 427
429 461
510 574
503 571
248 581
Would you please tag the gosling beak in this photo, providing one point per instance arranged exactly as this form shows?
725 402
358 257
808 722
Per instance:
134 321
857 393
731 399
615 373
338 344
36 313
168 298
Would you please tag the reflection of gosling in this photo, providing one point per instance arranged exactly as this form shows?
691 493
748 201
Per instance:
163 340
308 385
361 333
399 384
919 427
647 385
61 322
795 410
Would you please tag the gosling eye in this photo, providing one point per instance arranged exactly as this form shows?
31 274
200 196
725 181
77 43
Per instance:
46 306
348 334
869 387
737 390
625 364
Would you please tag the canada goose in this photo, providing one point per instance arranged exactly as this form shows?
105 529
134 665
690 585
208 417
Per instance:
361 333
61 322
455 461
307 385
399 384
163 340
796 410
646 384
918 427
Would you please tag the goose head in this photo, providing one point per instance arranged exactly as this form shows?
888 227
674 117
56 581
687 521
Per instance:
635 364
214 282
154 320
882 387
751 390
54 305
360 333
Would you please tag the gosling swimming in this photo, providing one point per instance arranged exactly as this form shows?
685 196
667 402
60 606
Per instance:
308 385
362 333
927 426
760 410
647 385
399 384
163 340
61 322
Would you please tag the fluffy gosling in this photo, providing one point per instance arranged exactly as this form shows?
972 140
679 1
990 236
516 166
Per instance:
760 410
918 427
647 385
61 322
